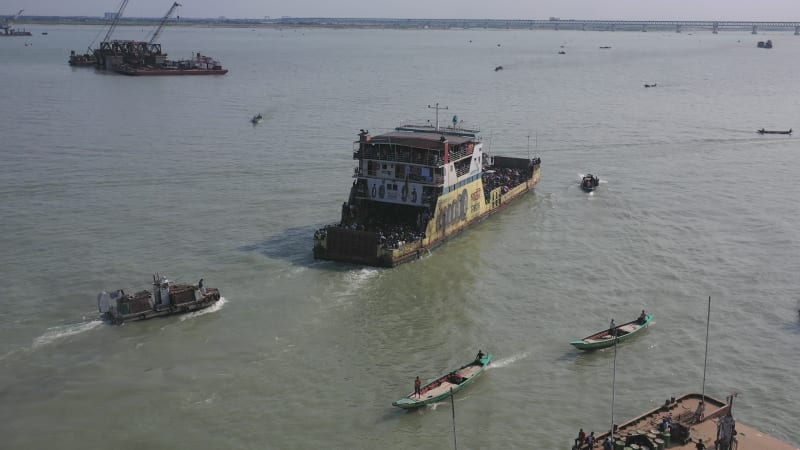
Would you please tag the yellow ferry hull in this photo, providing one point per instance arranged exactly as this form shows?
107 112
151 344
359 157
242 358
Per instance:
455 212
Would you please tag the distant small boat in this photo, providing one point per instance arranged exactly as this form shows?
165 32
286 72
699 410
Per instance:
258 118
562 52
762 44
44 33
605 339
498 68
763 131
605 46
589 182
445 385
650 85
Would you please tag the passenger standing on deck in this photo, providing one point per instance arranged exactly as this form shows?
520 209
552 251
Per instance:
607 445
200 285
612 328
700 445
417 385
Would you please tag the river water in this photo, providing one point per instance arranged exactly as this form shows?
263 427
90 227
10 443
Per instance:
106 179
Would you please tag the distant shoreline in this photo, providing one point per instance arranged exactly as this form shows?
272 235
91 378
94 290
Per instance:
552 24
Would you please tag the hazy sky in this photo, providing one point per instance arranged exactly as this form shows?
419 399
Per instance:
767 10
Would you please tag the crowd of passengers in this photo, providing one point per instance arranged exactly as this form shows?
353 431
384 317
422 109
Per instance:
504 178
391 236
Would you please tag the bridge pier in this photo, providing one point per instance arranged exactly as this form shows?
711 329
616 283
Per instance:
755 29
715 30
644 28
583 27
677 28
556 27
797 31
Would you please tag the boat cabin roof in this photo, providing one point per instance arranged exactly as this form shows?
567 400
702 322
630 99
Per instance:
427 140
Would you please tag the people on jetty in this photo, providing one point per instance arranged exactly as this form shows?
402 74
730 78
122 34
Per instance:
607 444
590 440
417 386
698 413
580 439
666 423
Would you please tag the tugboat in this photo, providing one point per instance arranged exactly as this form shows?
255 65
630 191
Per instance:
166 299
417 186
84 60
589 182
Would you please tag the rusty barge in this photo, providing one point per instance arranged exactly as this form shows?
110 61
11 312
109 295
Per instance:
417 186
167 298
684 422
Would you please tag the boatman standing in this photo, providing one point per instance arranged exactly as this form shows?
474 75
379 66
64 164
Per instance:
200 286
612 328
417 385
479 356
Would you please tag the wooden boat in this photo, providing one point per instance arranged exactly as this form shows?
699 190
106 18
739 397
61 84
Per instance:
589 182
445 385
763 131
257 119
650 85
604 339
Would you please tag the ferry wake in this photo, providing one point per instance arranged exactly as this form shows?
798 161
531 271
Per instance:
417 186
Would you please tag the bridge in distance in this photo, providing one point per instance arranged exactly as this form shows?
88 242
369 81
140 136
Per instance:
550 24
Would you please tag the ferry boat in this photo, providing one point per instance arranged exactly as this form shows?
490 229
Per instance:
166 299
417 186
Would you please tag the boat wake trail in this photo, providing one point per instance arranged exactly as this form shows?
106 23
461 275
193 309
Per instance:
62 331
505 362
356 279
211 309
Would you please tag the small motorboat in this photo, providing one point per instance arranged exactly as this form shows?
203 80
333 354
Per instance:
165 299
650 85
589 182
258 118
562 52
606 337
763 131
446 385
498 68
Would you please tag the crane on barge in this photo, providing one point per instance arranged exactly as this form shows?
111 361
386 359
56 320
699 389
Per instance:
6 26
115 21
157 31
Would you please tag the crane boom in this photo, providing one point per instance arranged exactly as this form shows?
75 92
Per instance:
115 22
163 22
17 16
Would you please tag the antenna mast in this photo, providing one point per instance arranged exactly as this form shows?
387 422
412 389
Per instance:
705 363
437 108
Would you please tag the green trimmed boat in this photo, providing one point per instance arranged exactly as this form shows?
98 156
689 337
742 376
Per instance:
604 339
445 385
